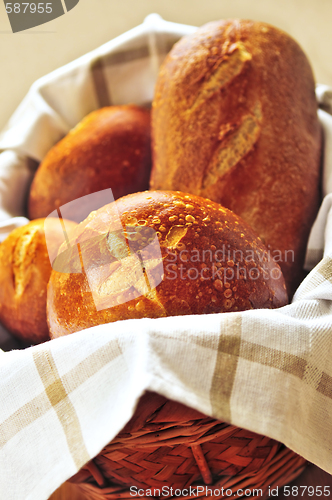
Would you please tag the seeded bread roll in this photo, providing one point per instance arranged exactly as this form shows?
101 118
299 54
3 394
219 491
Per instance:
24 273
160 254
110 148
235 120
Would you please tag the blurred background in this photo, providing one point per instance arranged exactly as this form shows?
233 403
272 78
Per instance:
30 54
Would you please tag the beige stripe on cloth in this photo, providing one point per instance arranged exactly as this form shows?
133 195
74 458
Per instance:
231 348
23 417
267 356
102 85
325 385
227 361
325 268
58 397
91 365
57 388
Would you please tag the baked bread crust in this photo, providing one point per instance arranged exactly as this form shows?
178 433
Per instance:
25 269
235 120
212 262
109 148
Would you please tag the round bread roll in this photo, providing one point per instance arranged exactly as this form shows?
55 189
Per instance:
24 273
161 253
109 148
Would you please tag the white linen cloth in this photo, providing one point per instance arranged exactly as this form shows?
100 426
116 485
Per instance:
269 371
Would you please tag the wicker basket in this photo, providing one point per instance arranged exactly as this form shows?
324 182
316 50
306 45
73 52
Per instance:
167 444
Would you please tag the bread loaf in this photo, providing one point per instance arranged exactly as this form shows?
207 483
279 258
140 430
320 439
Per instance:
235 120
24 273
209 261
110 148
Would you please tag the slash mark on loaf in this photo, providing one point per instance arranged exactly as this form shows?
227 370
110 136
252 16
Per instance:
23 254
234 146
230 66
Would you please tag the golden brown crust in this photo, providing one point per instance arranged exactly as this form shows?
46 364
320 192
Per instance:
212 262
24 273
235 120
110 148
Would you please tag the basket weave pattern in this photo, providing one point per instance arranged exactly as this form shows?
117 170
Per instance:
169 444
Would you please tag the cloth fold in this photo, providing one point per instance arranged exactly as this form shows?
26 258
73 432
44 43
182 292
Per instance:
269 371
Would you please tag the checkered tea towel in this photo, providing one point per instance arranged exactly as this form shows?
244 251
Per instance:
269 371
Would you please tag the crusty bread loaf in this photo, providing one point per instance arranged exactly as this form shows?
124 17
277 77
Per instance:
24 273
211 261
110 148
235 120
